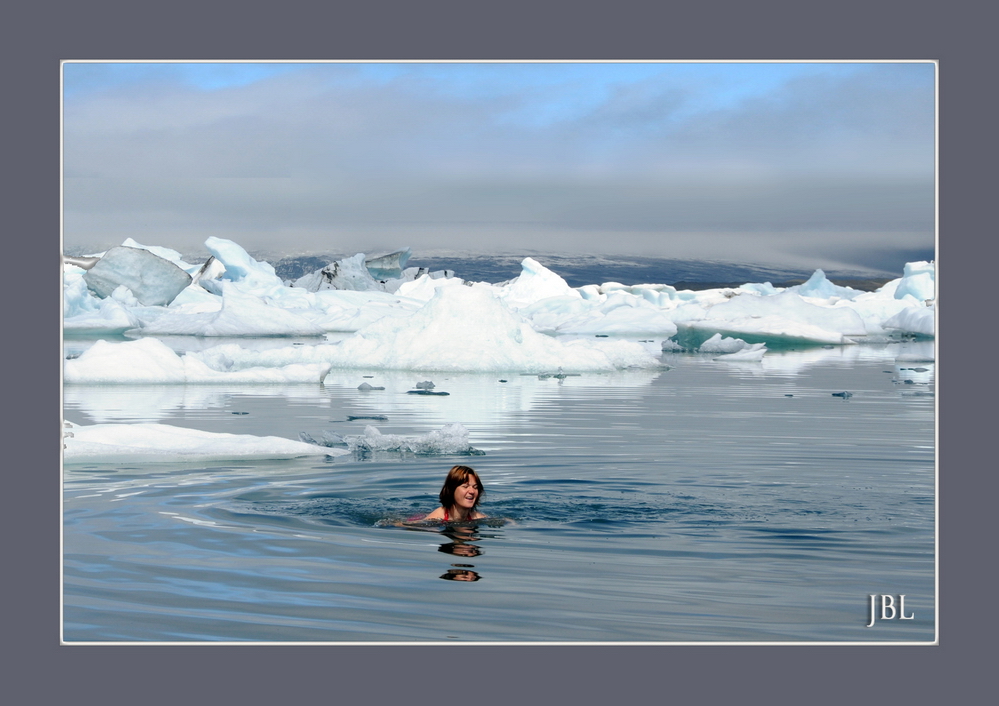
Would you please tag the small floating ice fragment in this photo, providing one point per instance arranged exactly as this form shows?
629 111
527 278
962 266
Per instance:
449 439
753 353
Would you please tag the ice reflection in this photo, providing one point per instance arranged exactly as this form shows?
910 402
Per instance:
486 399
792 363
915 373
154 403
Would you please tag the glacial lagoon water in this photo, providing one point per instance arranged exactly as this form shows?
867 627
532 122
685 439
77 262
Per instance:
706 502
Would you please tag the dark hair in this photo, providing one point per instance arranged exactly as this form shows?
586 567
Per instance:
456 477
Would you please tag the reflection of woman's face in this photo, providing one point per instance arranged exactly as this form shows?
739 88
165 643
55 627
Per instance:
461 549
466 494
460 575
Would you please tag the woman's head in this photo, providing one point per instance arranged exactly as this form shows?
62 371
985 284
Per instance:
462 488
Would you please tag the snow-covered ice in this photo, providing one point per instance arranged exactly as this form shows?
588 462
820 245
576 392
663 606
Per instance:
749 354
721 344
149 361
469 329
148 442
535 322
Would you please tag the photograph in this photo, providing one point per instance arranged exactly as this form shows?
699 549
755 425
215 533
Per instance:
499 352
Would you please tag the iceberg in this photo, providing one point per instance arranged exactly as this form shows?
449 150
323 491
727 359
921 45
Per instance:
914 320
360 273
389 266
422 321
617 313
469 329
720 344
783 316
818 287
918 281
86 314
349 273
240 314
752 353
150 361
535 282
153 280
240 267
151 442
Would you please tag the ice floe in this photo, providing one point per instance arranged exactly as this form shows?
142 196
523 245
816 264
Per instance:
449 439
150 443
149 361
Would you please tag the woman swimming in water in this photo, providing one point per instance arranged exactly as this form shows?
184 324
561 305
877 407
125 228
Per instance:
459 497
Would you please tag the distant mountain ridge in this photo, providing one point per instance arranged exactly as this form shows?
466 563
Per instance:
579 270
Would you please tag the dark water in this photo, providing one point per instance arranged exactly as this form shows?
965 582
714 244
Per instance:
699 503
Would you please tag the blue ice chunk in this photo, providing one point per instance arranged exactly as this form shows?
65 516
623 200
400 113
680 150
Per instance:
153 280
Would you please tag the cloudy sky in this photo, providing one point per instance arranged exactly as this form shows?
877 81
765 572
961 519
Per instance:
812 165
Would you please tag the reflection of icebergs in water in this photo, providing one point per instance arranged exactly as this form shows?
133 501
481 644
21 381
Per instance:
915 352
478 399
915 373
796 362
135 403
792 363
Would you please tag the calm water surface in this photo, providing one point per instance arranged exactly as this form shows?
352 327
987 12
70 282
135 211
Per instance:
706 502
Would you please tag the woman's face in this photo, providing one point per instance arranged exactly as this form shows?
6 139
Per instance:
466 494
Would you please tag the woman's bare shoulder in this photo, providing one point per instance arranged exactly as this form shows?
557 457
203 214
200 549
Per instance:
437 514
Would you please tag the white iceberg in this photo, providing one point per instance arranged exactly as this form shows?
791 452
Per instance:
616 313
720 344
783 316
818 287
86 314
239 314
433 322
918 281
149 361
468 329
535 282
240 267
752 353
150 443
917 320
